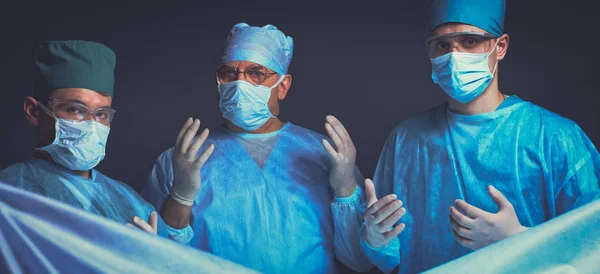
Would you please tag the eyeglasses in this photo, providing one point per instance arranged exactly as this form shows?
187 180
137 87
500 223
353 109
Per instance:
255 75
77 111
472 42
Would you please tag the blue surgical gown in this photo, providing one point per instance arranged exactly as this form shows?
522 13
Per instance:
281 218
99 194
544 165
41 235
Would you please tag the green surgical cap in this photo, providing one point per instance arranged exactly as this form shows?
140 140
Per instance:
73 64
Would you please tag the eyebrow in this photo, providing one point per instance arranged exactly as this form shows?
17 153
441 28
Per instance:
80 102
262 67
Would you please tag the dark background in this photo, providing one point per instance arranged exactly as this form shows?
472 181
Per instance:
365 64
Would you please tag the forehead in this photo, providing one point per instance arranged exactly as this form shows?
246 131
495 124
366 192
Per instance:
243 64
449 28
91 98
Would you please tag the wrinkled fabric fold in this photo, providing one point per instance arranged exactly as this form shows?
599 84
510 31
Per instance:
41 235
274 218
99 194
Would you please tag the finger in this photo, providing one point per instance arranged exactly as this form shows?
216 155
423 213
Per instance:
460 218
337 141
330 150
460 230
370 190
204 157
499 199
340 129
189 136
187 124
153 222
142 224
394 232
470 210
386 211
393 218
468 243
192 152
381 203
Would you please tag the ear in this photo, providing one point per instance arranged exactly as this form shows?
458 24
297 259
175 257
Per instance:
32 112
502 46
284 87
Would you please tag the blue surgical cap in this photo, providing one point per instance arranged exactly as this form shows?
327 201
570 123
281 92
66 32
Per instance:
484 14
266 45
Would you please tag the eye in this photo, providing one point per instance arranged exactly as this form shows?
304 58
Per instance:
441 45
470 41
227 72
101 115
73 110
255 73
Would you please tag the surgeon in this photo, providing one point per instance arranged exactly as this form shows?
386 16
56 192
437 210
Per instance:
71 110
274 196
483 166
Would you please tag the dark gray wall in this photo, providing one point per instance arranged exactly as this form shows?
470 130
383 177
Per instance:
366 65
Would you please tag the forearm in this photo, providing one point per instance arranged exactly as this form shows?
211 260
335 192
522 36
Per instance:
175 214
385 258
347 218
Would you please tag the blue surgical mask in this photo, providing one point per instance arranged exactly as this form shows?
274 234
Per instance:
245 104
463 76
77 145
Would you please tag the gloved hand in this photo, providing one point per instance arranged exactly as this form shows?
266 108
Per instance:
341 177
186 164
151 226
477 228
380 217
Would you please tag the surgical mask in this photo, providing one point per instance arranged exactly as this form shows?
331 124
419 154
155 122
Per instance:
462 75
77 145
245 104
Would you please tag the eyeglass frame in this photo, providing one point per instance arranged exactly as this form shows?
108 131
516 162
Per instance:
238 71
89 111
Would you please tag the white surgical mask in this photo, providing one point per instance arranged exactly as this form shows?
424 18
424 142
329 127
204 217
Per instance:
245 104
77 145
463 76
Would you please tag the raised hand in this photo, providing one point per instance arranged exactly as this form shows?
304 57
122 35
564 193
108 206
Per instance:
343 158
381 216
150 226
187 164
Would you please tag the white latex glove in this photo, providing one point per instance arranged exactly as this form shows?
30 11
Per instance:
186 164
343 157
150 227
477 228
380 217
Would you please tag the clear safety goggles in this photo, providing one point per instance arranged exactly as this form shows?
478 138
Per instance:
471 42
77 111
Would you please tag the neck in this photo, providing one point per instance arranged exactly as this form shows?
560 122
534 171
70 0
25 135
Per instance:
44 156
272 125
488 101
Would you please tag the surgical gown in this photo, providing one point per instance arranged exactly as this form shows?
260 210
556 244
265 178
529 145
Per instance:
99 194
41 235
544 165
281 218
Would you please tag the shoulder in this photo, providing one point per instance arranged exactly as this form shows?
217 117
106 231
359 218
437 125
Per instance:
428 124
13 174
551 123
304 132
100 177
